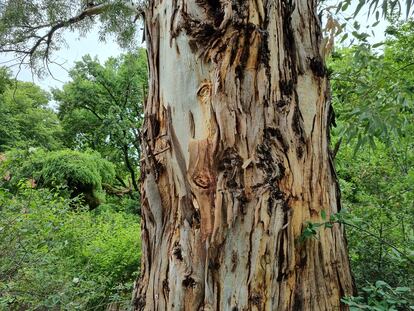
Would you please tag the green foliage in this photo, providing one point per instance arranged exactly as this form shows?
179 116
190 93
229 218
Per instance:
374 104
56 258
373 92
382 297
378 191
101 108
79 172
5 79
26 121
387 8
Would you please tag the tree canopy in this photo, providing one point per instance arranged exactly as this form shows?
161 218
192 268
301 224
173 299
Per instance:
101 108
373 90
26 118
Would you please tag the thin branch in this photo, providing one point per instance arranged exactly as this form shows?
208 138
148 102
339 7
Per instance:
47 38
379 239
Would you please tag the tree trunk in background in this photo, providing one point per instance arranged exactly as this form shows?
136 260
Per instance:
236 155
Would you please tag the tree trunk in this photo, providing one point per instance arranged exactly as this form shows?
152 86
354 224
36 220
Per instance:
236 160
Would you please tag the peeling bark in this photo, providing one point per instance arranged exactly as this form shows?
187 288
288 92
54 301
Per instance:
236 148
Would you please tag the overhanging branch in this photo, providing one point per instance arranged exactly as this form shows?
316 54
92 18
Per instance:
33 45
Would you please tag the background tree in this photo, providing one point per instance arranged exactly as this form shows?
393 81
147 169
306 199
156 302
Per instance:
374 103
57 253
101 108
5 79
27 121
32 30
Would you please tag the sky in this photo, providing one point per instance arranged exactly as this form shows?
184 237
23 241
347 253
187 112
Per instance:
74 50
78 46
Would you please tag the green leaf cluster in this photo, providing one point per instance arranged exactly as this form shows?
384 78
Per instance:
373 91
74 171
382 297
26 119
102 108
54 257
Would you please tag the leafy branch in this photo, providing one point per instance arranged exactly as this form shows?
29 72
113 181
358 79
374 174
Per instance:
31 30
310 230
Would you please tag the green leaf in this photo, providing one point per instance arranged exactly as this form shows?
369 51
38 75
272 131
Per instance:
408 7
359 7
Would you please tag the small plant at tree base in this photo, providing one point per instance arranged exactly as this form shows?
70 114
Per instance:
382 297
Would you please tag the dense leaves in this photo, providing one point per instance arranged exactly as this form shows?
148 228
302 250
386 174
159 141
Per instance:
378 192
101 108
78 173
26 120
373 92
57 258
374 102
69 234
381 297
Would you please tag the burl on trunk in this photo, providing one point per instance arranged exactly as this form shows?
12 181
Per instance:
236 160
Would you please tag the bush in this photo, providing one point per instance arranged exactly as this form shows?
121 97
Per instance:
77 172
58 258
382 297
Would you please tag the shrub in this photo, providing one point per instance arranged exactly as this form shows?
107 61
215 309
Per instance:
77 172
382 297
58 258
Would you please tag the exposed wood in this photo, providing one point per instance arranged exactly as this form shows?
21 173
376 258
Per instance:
239 99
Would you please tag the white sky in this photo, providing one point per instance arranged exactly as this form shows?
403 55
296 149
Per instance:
78 46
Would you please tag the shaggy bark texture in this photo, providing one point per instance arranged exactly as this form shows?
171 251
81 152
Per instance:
236 160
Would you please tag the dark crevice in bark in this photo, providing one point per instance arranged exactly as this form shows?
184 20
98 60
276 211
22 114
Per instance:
289 38
317 66
256 300
165 288
275 133
297 299
139 302
297 123
282 103
230 163
248 30
154 123
177 252
286 87
281 257
241 9
201 33
214 9
264 51
189 282
234 261
299 152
